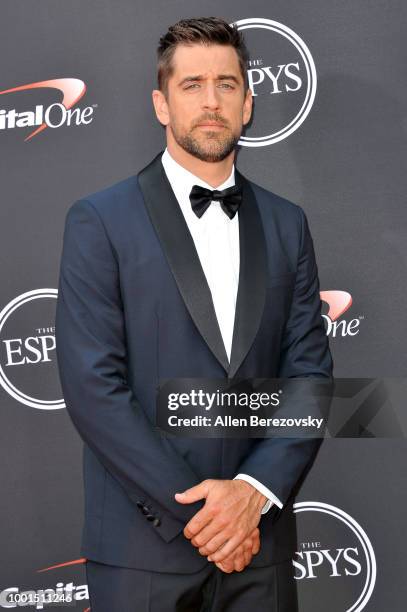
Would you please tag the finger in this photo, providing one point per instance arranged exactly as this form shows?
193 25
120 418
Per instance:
239 562
247 550
200 520
230 560
226 550
248 543
255 541
212 544
247 557
200 491
211 533
256 546
254 534
235 561
225 567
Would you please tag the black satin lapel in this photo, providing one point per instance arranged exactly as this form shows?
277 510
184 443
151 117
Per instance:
181 254
252 276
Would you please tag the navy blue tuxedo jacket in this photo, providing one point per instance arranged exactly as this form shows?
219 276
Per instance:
134 307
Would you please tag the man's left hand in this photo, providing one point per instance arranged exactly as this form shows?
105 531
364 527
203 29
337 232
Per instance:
231 512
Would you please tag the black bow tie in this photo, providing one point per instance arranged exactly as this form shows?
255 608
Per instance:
230 199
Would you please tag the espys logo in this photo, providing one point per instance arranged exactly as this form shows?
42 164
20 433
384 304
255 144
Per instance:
339 302
282 77
55 115
336 570
28 368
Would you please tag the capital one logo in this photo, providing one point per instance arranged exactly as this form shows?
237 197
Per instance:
28 367
339 302
282 77
64 593
55 115
335 565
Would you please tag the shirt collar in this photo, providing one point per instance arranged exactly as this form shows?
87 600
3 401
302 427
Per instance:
182 180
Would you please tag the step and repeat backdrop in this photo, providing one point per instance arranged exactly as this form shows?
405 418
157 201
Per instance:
329 133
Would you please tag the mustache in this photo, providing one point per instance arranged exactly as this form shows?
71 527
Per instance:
214 118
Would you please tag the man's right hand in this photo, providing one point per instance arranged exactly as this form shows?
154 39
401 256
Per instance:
242 556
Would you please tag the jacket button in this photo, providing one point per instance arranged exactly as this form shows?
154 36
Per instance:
145 510
150 517
156 522
139 504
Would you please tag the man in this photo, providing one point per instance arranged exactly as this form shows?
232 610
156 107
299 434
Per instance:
161 278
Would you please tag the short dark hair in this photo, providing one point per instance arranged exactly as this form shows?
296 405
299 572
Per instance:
206 30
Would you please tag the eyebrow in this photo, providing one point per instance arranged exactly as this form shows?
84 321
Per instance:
200 77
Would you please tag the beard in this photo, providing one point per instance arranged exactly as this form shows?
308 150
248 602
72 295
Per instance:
208 146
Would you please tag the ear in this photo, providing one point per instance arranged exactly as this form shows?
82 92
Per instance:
160 107
247 106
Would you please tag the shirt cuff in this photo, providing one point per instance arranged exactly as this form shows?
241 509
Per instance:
271 498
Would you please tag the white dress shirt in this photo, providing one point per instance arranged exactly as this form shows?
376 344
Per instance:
216 239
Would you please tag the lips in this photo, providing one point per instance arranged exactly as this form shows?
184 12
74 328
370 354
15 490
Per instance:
210 124
211 128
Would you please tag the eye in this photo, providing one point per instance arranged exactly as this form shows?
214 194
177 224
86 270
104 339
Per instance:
228 85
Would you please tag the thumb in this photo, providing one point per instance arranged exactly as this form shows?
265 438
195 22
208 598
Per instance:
200 491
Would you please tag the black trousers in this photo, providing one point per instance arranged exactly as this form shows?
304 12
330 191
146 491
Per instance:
120 589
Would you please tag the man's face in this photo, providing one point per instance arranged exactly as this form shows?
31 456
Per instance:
205 88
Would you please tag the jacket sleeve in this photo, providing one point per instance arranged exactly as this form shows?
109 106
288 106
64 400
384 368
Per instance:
91 356
279 462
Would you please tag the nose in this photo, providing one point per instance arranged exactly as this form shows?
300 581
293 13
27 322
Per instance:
210 98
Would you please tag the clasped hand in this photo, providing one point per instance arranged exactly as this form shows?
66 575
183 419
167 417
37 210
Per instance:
225 529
